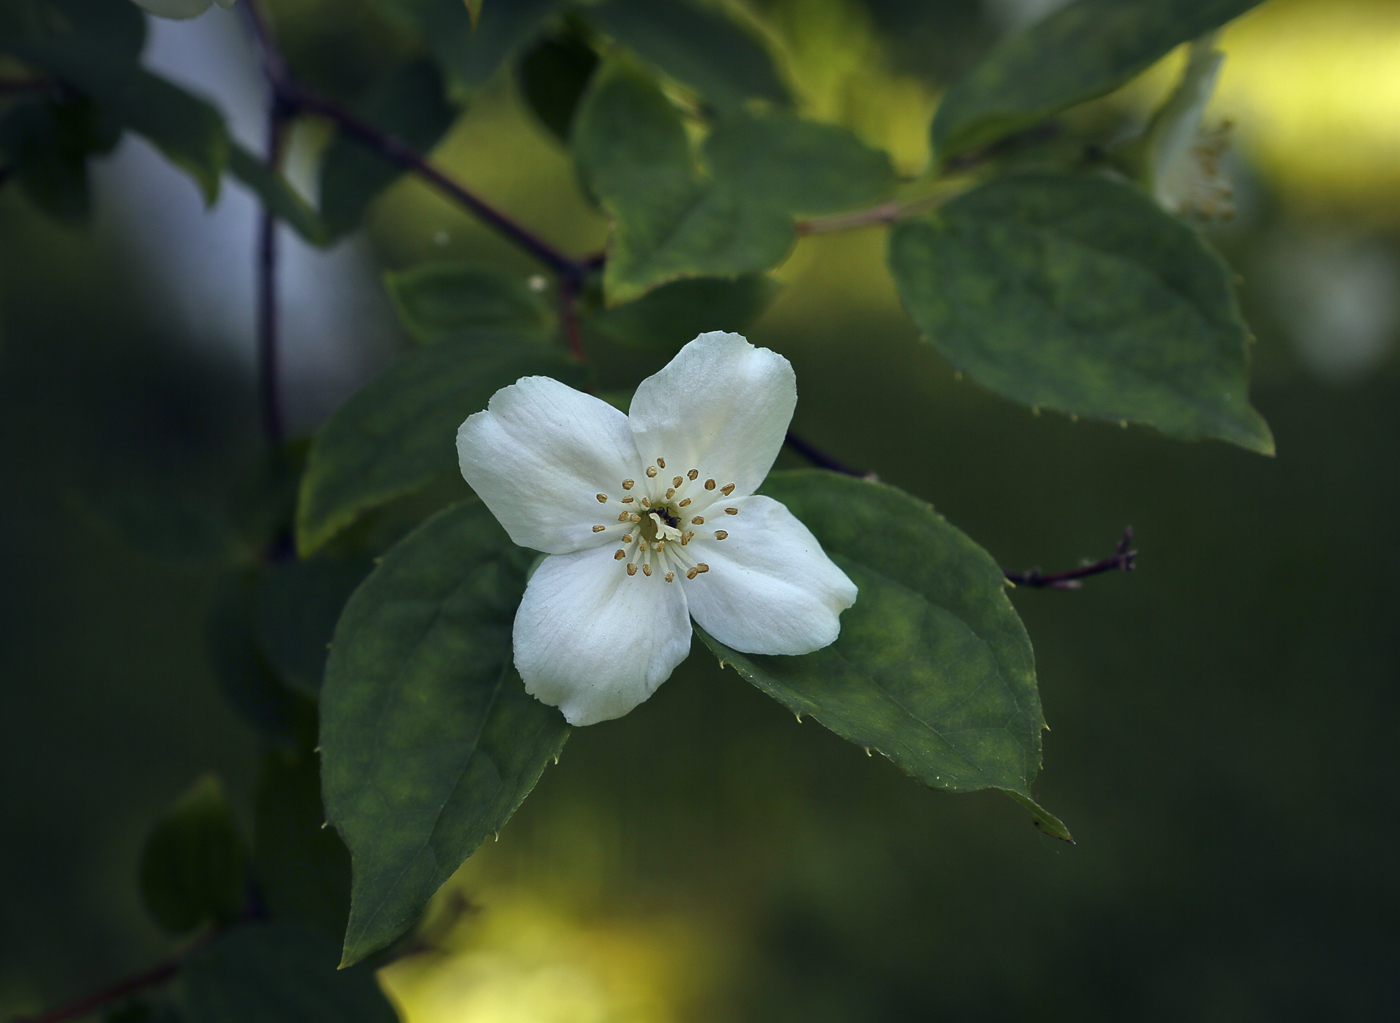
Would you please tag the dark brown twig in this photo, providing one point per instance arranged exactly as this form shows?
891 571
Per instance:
1122 558
821 459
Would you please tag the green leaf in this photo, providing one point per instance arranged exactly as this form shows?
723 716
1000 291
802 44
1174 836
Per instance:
1078 53
553 75
675 221
187 130
398 433
1081 295
299 603
273 190
696 46
278 973
667 317
47 145
429 741
192 865
933 667
442 301
119 27
303 868
409 104
474 9
470 54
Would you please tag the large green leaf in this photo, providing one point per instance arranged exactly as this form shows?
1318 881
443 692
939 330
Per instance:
277 194
442 301
428 739
470 53
553 75
696 46
1081 295
408 103
192 867
399 432
665 318
1080 52
933 667
730 214
277 973
187 130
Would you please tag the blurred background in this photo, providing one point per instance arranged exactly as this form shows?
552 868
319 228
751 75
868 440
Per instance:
1223 719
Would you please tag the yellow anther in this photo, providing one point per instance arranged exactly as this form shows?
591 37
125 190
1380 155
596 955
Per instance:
709 484
626 537
631 569
599 529
628 499
694 474
619 555
670 492
685 502
628 484
670 577
646 502
727 489
646 571
731 511
691 574
720 534
699 520
651 472
621 516
702 568
602 498
677 481
635 517
661 462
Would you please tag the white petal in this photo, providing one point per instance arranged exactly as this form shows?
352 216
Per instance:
721 406
594 641
770 589
539 455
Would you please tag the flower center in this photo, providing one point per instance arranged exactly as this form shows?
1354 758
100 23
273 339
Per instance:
658 519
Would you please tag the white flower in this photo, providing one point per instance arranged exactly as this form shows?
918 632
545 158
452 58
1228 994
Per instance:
1183 155
648 520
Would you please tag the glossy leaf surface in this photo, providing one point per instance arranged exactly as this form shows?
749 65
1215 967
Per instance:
442 301
1082 295
428 739
933 667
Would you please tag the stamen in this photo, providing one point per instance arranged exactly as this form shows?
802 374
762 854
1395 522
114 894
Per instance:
628 499
626 537
731 511
661 462
628 484
651 472
702 568
721 534
631 569
678 481
602 498
635 517
684 503
599 529
692 573
620 554
622 517
670 577
658 545
694 474
646 571
709 484
686 538
727 489
699 520
670 492
646 502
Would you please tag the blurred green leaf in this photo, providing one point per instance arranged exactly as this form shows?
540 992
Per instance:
1076 54
273 190
667 317
192 868
428 739
277 973
672 220
696 46
247 680
46 144
474 9
187 130
553 75
1082 295
117 25
408 103
399 432
303 868
299 603
470 53
442 301
933 667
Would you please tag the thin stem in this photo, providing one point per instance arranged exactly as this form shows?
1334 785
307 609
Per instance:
568 312
821 459
92 1003
1122 558
883 213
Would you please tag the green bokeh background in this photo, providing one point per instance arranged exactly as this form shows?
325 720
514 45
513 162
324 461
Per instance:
1223 720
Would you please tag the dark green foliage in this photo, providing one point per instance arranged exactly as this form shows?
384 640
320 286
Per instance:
668 316
673 220
297 607
428 739
301 866
1081 295
447 301
192 869
398 433
47 144
1078 53
696 46
553 76
277 973
470 54
409 104
933 667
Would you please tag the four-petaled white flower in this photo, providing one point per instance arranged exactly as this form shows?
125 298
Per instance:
649 519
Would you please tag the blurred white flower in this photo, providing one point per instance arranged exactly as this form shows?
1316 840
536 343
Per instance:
1183 155
179 9
648 520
